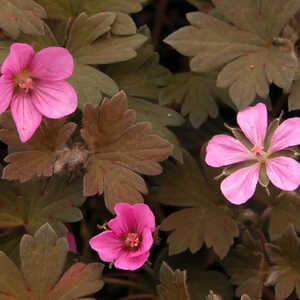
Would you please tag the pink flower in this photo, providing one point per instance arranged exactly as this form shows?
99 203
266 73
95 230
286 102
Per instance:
33 85
261 154
71 242
128 242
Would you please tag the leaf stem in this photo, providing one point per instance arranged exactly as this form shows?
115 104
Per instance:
159 20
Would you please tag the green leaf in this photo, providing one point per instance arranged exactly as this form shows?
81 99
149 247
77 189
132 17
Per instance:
252 51
107 50
195 93
32 204
90 84
247 265
160 117
85 30
173 284
123 25
21 15
43 258
207 220
64 9
142 78
285 255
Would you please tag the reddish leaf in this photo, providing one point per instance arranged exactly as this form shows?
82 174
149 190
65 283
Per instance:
120 149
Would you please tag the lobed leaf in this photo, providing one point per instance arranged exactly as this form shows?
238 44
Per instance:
22 15
37 157
142 78
39 201
248 266
64 9
195 93
285 274
173 284
252 51
207 220
119 149
43 258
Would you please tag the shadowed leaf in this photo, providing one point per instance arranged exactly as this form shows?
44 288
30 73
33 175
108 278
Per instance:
173 284
39 201
247 265
208 219
284 254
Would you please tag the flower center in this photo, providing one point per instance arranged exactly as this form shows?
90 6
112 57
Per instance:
132 240
259 153
257 150
24 81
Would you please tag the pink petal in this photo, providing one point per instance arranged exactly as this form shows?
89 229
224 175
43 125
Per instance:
72 242
25 115
146 243
286 135
240 186
223 150
144 217
124 221
284 172
107 244
53 64
54 99
19 58
254 121
6 93
125 262
132 218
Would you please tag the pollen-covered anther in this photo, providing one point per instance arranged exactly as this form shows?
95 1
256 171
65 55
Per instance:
26 84
257 150
132 240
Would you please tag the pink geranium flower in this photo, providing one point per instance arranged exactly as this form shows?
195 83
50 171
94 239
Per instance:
33 85
261 154
128 241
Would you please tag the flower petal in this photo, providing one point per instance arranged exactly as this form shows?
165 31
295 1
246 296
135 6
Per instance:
144 217
240 186
25 115
71 242
6 93
224 150
125 262
124 221
53 64
286 135
284 172
19 58
107 244
132 218
254 121
54 99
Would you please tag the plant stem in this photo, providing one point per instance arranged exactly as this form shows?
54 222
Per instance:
124 282
159 21
140 296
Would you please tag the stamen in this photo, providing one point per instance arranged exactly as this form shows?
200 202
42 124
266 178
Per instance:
26 84
257 150
132 240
